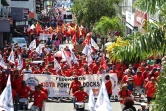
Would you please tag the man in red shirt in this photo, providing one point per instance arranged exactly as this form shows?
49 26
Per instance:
123 93
43 89
39 97
108 85
124 79
96 67
139 82
75 85
80 96
150 89
24 93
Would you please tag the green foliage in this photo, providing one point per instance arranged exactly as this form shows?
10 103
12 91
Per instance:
159 103
105 24
4 3
90 11
141 46
150 5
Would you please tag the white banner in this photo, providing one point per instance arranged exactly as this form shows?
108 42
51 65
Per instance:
44 36
58 86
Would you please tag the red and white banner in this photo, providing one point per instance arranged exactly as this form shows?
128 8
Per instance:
58 86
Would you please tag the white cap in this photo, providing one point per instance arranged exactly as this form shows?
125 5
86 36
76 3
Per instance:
143 104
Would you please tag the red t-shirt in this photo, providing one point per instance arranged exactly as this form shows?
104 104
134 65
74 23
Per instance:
151 89
14 94
124 79
67 73
123 94
139 80
145 74
45 91
36 72
108 85
80 96
39 97
24 92
17 84
75 85
95 69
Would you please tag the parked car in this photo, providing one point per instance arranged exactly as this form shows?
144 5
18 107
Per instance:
21 42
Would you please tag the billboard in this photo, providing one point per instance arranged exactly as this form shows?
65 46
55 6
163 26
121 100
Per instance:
17 13
6 25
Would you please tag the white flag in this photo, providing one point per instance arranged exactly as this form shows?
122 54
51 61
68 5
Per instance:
32 45
93 43
73 57
39 49
66 56
11 57
56 65
103 102
91 102
2 62
89 60
20 63
87 50
6 99
32 26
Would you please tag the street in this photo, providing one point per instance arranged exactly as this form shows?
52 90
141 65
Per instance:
52 106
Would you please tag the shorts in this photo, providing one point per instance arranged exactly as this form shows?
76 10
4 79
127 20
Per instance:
149 99
139 90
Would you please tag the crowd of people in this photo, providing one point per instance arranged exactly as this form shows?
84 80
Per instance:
139 78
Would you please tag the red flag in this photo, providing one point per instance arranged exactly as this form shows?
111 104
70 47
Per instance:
103 62
87 40
38 28
74 39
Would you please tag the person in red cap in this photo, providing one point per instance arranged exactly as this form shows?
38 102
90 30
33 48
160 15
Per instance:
43 89
75 84
39 97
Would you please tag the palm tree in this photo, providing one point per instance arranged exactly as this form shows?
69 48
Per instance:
150 5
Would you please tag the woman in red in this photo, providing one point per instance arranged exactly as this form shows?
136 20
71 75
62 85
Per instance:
75 85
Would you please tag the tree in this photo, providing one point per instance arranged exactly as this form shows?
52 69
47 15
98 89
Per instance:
105 24
150 5
140 47
90 11
4 3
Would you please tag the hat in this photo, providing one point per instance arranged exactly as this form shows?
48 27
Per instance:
152 78
147 67
158 68
154 68
124 85
138 70
129 79
63 60
41 84
143 104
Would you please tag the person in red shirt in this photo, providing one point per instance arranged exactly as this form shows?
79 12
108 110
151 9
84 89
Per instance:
74 85
87 70
123 93
124 79
39 97
139 82
146 72
36 70
96 67
43 89
24 93
108 85
150 89
80 96
114 70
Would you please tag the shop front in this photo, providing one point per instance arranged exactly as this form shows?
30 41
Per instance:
130 26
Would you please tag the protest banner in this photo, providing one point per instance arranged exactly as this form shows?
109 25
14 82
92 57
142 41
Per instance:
58 86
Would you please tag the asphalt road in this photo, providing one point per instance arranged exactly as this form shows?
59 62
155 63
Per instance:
53 106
